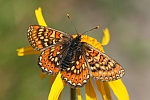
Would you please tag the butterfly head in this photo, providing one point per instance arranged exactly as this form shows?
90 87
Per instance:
78 37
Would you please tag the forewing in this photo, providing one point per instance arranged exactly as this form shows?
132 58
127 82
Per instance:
78 73
41 37
50 59
101 66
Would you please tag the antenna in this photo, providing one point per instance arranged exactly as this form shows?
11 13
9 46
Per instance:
72 22
91 29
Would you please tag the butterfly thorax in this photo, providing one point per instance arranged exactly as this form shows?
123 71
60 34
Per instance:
74 47
75 42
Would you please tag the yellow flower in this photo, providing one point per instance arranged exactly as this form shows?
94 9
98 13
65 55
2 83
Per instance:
58 84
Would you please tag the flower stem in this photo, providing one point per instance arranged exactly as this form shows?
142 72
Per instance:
72 94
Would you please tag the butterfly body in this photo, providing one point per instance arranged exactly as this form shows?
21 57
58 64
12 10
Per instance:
76 60
75 46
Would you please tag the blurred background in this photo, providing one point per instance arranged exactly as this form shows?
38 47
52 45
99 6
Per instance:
128 22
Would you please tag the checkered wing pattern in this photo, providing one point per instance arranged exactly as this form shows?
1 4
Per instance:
50 59
78 73
101 66
41 37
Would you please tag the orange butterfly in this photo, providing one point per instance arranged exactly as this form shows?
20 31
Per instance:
76 60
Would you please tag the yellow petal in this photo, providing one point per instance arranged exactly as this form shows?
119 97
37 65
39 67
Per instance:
119 89
56 88
78 93
90 93
106 37
39 17
91 41
27 50
103 88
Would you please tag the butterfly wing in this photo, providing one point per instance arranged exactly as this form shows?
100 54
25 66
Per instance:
50 58
77 74
41 37
101 66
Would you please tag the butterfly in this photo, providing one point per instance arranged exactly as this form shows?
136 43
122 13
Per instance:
77 61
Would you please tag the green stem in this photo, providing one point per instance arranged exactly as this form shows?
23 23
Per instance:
72 94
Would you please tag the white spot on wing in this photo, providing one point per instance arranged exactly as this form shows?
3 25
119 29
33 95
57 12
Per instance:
40 63
46 69
74 84
84 81
79 84
40 58
42 67
65 79
70 82
50 71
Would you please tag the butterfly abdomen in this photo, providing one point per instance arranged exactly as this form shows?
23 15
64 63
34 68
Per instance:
69 58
